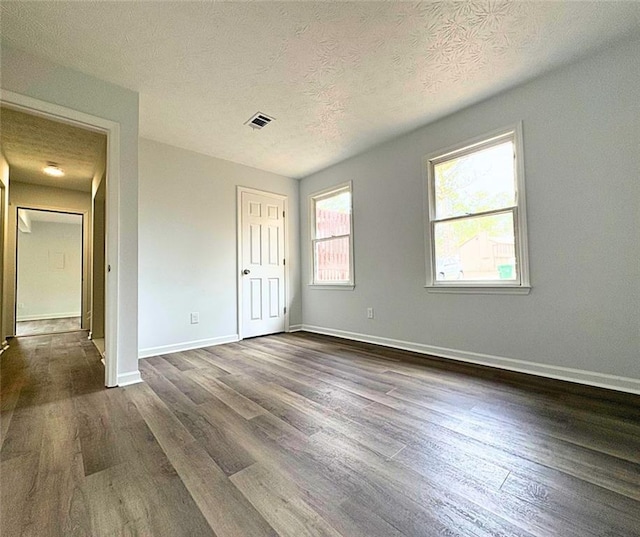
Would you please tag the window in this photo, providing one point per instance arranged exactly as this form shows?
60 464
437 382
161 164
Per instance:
331 244
476 233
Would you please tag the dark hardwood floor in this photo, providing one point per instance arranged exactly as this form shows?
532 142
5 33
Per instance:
47 326
301 435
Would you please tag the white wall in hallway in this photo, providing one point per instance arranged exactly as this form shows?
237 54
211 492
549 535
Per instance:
49 279
187 237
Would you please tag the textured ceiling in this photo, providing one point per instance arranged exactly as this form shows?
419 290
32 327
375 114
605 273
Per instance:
30 142
339 77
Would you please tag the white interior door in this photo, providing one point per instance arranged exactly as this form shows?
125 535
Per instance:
262 264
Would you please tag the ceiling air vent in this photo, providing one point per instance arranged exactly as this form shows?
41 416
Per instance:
259 120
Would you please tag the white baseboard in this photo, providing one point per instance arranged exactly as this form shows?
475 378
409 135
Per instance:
186 346
125 379
295 327
591 378
4 346
47 316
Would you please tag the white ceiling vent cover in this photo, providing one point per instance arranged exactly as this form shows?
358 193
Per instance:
259 120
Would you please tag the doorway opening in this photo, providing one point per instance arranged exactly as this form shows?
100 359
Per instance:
110 132
49 272
58 287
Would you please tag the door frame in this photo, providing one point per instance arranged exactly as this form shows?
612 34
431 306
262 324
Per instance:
4 215
111 129
85 248
239 191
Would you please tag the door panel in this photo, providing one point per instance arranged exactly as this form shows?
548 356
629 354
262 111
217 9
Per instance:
274 297
262 255
256 299
255 238
274 245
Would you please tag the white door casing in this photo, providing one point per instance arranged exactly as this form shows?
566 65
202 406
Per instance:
261 263
112 130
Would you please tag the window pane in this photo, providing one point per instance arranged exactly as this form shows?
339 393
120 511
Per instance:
476 248
333 215
332 260
477 182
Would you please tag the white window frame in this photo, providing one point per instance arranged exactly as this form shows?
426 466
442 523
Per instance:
313 198
520 286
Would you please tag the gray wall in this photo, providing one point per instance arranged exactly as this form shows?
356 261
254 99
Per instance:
582 158
187 230
40 79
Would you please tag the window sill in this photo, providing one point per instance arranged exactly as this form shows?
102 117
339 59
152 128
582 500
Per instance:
332 287
480 289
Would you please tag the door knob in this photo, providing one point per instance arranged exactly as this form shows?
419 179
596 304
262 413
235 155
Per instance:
246 271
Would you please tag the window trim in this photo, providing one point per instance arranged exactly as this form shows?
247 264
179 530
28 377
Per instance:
319 196
523 286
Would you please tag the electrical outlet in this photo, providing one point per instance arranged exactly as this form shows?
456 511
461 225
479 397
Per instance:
195 317
20 306
369 313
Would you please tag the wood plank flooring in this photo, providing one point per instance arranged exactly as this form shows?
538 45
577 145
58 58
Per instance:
301 435
47 326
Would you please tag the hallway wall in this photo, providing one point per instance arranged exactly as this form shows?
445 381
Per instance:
4 217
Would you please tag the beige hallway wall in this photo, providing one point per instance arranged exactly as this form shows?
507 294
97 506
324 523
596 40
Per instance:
98 263
4 214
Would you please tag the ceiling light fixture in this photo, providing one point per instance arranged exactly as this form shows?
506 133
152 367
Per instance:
53 169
